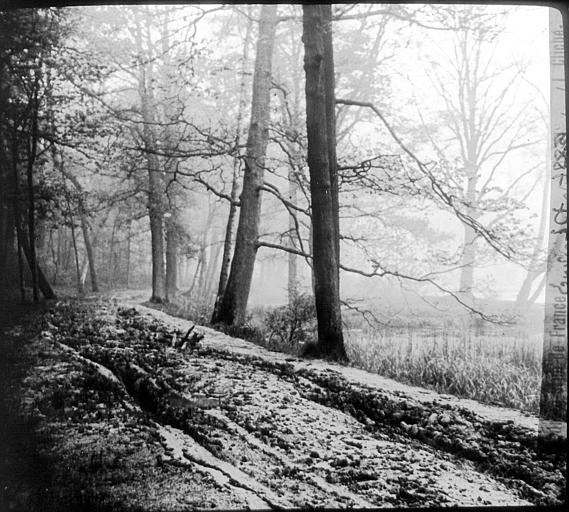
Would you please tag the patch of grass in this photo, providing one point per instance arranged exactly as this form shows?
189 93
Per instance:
502 369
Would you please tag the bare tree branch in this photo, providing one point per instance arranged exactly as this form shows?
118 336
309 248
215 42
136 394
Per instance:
448 198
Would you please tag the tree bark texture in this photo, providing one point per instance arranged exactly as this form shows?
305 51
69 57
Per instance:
170 116
155 207
234 302
43 283
30 183
228 240
318 64
24 238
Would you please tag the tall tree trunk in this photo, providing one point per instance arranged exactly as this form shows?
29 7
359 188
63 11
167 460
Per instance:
170 116
43 283
155 206
228 241
156 221
311 246
23 238
234 302
32 151
318 65
330 99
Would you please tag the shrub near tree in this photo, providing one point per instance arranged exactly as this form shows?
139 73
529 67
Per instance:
290 327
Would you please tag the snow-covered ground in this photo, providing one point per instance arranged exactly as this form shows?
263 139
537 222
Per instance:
233 425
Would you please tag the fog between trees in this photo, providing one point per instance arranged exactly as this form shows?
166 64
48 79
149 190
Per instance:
387 159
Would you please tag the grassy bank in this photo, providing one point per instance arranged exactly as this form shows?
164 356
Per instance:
502 369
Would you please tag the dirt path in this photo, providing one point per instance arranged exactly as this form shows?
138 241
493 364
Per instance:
356 376
125 420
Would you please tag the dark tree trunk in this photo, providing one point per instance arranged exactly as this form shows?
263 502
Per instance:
234 302
228 240
330 99
170 115
318 65
24 238
227 244
157 236
155 192
32 144
43 283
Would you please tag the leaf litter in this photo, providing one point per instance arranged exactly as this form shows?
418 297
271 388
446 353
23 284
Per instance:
123 419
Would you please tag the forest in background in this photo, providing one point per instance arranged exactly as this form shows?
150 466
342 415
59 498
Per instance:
374 183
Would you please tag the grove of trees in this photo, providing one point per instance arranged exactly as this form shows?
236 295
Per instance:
194 149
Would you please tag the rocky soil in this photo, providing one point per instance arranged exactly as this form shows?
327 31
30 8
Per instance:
101 412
